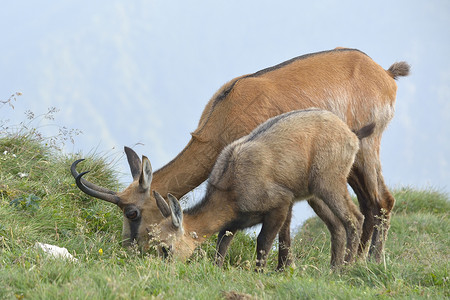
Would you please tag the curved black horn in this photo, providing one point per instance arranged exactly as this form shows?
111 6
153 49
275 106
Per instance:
92 189
75 174
113 198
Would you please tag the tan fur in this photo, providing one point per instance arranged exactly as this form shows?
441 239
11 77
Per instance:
344 81
298 155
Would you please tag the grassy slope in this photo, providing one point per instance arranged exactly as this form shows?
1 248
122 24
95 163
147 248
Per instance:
47 207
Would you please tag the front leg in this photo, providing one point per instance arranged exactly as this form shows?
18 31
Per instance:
284 243
223 242
271 225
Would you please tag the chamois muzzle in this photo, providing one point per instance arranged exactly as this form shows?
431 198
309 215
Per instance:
92 189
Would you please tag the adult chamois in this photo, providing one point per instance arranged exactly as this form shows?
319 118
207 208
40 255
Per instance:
346 82
303 154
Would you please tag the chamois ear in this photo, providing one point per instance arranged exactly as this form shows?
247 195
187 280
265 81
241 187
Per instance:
134 162
162 204
177 212
145 178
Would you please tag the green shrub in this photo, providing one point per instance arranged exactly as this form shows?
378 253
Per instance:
409 200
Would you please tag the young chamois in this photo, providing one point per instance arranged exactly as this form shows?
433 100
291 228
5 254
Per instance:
346 82
304 154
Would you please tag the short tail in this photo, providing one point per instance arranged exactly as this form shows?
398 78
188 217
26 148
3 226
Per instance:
399 69
365 131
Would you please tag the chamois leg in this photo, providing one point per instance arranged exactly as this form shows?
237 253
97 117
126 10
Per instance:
356 181
284 242
352 254
271 225
336 228
382 221
223 242
341 204
375 200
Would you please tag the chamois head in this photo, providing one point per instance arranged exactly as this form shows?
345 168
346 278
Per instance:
173 239
139 209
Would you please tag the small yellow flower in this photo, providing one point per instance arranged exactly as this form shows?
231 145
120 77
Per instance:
19 296
100 251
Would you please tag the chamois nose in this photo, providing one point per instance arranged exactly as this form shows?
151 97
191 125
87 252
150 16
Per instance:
165 252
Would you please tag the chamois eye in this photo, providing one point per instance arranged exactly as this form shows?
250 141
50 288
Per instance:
132 214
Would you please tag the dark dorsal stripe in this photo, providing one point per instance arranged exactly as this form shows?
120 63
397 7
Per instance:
225 93
271 122
221 96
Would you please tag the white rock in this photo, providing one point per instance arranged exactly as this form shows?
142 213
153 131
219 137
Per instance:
55 251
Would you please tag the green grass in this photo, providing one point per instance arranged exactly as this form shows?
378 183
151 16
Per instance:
39 202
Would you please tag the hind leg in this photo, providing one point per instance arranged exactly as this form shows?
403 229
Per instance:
355 180
339 202
375 200
336 228
382 215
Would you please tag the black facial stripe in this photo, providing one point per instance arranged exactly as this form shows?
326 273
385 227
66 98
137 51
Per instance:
134 229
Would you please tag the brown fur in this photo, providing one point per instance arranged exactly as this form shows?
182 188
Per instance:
344 81
256 179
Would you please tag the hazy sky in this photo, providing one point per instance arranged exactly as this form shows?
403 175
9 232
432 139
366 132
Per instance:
140 72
